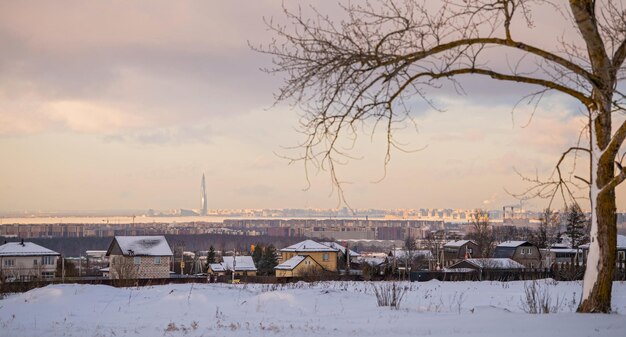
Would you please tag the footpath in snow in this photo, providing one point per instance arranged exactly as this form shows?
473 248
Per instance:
303 309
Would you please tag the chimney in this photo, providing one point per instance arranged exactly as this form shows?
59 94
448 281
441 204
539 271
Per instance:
22 243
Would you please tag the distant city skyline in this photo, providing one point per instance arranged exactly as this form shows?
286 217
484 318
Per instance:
113 106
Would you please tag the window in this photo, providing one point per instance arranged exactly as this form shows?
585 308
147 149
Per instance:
620 256
137 259
47 275
9 263
157 260
325 257
48 259
34 262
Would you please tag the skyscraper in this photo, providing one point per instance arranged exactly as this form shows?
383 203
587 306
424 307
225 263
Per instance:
203 210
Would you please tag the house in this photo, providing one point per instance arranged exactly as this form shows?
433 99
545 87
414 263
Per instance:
25 261
325 256
523 252
455 251
298 266
139 257
558 255
414 259
342 258
242 266
620 260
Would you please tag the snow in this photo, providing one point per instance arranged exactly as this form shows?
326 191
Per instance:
493 263
216 267
144 245
372 261
512 243
492 309
308 246
25 249
593 257
403 253
242 263
621 241
291 263
456 244
340 248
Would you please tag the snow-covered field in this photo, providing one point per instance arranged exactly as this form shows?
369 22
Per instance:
318 309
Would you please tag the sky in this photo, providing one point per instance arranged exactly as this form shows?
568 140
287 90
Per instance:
124 105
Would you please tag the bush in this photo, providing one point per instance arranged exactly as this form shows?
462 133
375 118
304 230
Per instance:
389 295
538 300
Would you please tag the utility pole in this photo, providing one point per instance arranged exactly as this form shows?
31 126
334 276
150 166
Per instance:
234 265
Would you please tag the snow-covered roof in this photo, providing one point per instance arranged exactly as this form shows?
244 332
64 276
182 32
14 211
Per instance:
242 263
340 248
308 246
24 249
513 244
216 267
560 250
291 263
621 242
492 263
456 244
403 253
143 245
459 270
372 261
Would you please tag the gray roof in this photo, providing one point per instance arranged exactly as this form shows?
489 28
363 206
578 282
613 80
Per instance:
24 249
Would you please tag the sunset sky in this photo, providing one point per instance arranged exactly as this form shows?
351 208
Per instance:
125 104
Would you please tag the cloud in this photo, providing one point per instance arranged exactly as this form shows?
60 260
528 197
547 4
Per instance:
157 63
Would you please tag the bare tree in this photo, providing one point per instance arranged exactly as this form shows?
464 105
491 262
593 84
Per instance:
366 67
482 233
548 229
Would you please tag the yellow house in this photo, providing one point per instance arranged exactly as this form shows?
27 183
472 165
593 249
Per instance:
298 266
324 256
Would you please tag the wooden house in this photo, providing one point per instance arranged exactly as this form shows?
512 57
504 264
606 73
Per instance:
522 252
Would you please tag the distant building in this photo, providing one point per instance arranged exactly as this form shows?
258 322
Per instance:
139 257
203 209
26 261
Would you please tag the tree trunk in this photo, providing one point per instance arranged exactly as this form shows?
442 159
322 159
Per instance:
598 280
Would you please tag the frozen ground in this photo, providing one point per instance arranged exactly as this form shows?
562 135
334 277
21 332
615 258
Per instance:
301 310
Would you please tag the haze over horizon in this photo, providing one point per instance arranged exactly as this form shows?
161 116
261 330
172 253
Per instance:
124 105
